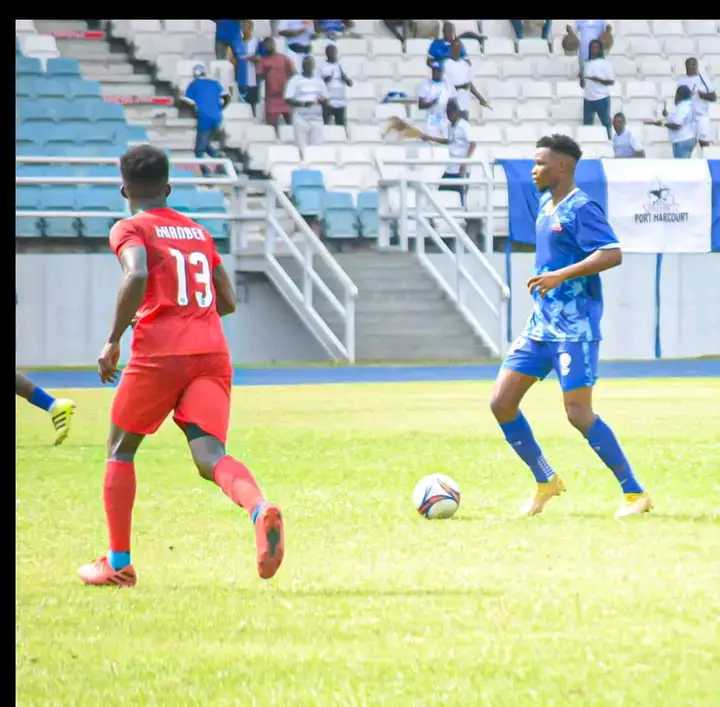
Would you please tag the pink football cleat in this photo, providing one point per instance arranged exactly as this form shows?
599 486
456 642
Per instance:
269 539
99 573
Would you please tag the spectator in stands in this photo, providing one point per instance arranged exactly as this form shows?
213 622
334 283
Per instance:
597 77
409 29
625 144
460 146
307 94
433 98
208 98
440 49
298 39
227 36
245 71
519 27
275 69
703 94
332 72
680 124
578 39
332 29
459 73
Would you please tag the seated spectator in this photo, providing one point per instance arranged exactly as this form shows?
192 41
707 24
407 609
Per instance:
227 36
307 94
332 72
245 71
703 94
597 77
680 124
625 144
298 38
585 31
333 29
399 29
459 73
519 27
412 29
433 98
208 97
276 70
440 49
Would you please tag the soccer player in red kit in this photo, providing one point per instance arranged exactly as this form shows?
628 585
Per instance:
174 291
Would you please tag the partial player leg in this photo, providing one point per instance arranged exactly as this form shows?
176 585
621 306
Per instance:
203 413
576 367
61 409
524 364
115 568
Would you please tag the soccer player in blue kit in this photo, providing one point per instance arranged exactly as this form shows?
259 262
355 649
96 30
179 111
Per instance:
574 243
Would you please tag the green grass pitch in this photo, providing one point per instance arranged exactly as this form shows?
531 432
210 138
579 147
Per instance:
374 604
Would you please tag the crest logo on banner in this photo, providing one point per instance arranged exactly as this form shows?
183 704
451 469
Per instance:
661 206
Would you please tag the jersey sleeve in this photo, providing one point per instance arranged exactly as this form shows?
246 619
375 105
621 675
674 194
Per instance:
592 230
125 235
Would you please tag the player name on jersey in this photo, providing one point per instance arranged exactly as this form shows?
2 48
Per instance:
179 233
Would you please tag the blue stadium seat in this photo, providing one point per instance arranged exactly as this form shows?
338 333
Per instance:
177 172
108 111
77 111
339 216
367 210
100 132
99 198
29 148
24 87
71 133
82 88
27 198
51 88
212 200
28 132
182 198
18 48
63 66
104 150
30 111
130 133
59 198
28 66
307 189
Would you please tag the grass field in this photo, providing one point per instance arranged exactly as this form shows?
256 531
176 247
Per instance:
374 604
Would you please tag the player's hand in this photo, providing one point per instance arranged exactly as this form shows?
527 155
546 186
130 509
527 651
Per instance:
544 283
108 362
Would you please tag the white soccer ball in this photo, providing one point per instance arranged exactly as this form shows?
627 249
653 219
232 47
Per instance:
436 496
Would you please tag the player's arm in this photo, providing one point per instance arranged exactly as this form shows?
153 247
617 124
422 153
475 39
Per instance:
133 260
226 300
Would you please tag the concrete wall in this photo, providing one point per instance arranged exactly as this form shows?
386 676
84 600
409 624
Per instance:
67 303
689 302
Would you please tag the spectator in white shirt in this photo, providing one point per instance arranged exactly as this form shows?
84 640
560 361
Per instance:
597 77
586 31
625 144
459 73
298 39
703 94
333 74
307 93
433 98
680 124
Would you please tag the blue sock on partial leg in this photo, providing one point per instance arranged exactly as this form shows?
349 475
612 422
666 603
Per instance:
118 560
521 439
40 398
604 443
256 511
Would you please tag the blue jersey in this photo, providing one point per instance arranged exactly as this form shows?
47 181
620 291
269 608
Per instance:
207 95
566 235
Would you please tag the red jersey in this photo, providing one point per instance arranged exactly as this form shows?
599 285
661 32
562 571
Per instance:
178 315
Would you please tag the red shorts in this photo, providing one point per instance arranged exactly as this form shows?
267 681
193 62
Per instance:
195 388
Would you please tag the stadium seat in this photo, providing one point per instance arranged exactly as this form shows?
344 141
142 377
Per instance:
80 88
212 201
27 198
46 87
182 198
367 214
31 111
125 134
27 66
76 111
102 132
307 189
98 198
339 216
63 66
112 112
59 198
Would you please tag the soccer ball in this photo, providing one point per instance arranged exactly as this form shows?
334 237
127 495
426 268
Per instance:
436 496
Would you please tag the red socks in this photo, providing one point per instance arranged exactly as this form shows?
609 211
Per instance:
236 481
119 496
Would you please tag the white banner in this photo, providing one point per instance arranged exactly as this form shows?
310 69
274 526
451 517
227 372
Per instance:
660 206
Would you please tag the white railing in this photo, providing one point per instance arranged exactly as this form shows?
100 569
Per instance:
309 248
464 273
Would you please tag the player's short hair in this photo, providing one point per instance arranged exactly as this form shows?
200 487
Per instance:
561 144
145 169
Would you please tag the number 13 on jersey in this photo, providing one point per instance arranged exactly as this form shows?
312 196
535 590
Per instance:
196 268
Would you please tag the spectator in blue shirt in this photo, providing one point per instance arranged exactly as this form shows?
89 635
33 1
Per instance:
209 98
440 48
228 35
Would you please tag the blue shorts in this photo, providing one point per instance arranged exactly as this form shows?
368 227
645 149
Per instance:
574 362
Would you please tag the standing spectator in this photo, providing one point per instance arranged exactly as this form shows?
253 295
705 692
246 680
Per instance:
307 94
333 74
245 71
275 69
597 77
433 98
459 73
586 31
227 36
625 144
519 27
440 49
298 38
680 124
209 98
703 94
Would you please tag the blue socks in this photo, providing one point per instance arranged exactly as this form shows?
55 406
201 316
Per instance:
256 512
520 437
118 560
42 399
601 438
